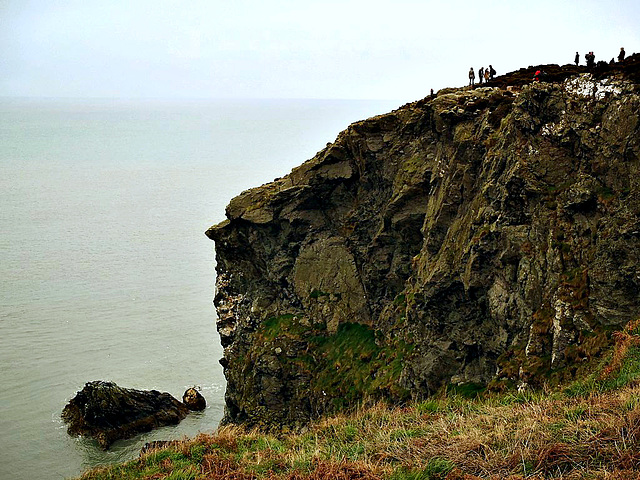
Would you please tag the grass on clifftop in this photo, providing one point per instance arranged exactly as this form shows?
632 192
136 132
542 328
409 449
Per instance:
590 430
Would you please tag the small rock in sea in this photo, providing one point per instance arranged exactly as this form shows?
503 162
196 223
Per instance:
194 400
107 412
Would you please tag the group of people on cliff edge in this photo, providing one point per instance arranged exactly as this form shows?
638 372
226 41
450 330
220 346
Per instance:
485 74
590 58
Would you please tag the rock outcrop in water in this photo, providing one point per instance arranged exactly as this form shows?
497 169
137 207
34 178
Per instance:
484 237
107 412
194 400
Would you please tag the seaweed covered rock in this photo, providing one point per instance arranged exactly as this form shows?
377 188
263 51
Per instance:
107 412
482 237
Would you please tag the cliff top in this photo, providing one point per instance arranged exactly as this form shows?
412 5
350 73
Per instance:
629 68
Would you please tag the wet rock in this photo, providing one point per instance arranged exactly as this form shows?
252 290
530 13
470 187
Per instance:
194 400
107 412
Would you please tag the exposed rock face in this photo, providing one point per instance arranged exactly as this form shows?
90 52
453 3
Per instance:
194 400
480 237
107 412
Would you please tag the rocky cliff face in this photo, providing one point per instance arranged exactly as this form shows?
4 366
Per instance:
482 237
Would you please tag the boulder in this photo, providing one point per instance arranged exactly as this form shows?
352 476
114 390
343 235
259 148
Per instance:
194 400
107 412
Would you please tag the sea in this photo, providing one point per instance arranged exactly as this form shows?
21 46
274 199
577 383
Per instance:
105 271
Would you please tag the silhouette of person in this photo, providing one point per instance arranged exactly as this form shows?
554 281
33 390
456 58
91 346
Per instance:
487 74
480 74
472 77
577 59
492 72
591 59
621 54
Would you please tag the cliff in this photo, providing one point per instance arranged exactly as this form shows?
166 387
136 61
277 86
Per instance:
483 237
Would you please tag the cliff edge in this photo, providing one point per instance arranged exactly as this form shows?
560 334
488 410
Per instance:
483 237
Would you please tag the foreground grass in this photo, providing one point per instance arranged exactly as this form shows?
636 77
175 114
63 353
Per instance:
590 430
597 436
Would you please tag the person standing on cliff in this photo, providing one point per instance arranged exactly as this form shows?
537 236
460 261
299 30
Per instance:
487 75
577 59
472 77
480 75
621 55
492 72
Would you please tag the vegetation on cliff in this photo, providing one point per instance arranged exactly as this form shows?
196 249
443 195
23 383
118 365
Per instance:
589 430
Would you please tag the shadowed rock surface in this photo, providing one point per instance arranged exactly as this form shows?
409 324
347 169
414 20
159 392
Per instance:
480 238
107 412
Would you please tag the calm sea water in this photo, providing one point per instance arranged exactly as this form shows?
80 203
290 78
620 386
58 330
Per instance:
105 271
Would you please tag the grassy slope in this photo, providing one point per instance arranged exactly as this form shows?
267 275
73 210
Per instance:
589 430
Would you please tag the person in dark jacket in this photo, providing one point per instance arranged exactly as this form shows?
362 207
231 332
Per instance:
591 59
621 54
577 59
472 76
481 75
492 72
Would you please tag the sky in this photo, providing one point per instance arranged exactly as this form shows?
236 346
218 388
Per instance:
342 49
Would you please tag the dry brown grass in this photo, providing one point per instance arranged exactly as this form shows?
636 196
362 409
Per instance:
595 435
548 437
623 341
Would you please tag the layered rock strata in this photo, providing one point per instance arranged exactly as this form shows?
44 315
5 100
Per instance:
486 236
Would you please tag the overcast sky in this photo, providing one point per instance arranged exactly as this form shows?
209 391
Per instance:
372 49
